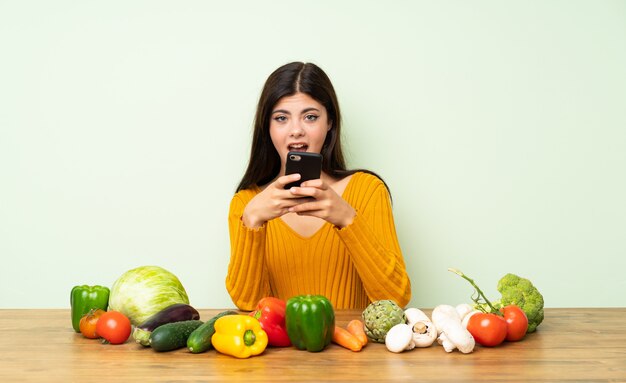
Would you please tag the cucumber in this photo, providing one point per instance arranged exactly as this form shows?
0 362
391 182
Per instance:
172 336
175 313
200 339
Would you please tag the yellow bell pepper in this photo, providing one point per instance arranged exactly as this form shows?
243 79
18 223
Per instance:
240 336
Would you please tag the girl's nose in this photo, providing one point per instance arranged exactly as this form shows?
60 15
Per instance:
296 130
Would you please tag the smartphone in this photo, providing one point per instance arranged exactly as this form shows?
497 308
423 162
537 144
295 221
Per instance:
308 165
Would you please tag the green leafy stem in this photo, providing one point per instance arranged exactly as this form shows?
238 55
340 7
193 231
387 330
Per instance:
480 304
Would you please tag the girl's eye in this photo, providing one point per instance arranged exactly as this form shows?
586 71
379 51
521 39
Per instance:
280 118
310 117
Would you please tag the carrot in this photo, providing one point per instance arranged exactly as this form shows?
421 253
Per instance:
342 337
355 327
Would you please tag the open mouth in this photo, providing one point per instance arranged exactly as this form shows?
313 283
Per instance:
298 147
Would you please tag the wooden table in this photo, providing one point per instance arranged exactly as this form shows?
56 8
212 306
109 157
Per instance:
571 345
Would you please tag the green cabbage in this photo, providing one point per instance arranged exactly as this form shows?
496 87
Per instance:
139 293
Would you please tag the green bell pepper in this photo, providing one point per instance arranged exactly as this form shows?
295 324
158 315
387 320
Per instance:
84 298
310 322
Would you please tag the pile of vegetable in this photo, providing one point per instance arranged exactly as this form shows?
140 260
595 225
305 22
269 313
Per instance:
153 303
145 297
519 311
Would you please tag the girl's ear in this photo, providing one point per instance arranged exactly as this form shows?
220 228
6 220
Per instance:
330 126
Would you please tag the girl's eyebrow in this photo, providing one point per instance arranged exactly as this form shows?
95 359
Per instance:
281 111
303 112
309 110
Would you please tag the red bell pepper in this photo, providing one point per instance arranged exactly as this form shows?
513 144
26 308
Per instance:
270 312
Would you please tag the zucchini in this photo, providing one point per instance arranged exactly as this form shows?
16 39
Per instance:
175 313
172 336
200 339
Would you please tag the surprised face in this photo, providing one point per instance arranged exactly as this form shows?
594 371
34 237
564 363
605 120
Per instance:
298 124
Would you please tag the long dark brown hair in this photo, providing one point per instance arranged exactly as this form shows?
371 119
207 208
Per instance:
296 77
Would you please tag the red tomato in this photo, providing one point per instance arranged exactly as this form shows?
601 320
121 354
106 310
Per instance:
114 327
487 329
87 324
516 323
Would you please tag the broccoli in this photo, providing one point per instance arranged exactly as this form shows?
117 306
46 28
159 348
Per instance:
520 291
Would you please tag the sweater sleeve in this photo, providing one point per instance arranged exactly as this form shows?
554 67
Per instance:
247 280
373 245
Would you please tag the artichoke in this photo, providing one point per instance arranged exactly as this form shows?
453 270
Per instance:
379 317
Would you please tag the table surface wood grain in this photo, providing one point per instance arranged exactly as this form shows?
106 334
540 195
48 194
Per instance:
585 345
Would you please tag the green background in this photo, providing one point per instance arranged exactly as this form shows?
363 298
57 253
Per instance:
500 127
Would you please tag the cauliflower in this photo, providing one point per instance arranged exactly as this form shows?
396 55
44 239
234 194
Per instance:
520 291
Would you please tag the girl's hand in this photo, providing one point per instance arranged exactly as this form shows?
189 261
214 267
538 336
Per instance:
274 201
323 203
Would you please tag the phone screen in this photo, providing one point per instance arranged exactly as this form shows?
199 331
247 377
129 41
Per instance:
308 165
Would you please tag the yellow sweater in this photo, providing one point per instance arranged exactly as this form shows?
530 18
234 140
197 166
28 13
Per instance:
352 266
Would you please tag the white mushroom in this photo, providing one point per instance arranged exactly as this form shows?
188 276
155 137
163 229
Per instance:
424 331
463 309
466 318
399 338
451 332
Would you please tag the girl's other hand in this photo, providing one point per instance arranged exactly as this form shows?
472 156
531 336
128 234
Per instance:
274 201
323 202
